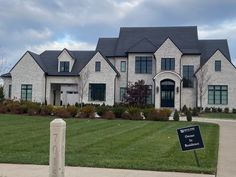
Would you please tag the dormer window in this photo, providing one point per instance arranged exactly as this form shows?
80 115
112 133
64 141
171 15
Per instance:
64 66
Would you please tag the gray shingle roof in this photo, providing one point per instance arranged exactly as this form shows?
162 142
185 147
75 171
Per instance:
186 38
209 47
107 46
50 60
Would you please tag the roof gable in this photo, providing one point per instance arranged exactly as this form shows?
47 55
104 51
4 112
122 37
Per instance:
142 46
209 47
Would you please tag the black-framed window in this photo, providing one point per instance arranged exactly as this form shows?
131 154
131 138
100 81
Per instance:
217 65
123 66
64 66
143 64
97 92
168 64
9 91
188 71
26 92
123 91
97 66
218 94
149 95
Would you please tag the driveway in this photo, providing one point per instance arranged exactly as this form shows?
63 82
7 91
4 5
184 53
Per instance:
227 148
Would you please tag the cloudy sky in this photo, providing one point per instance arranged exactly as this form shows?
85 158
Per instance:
38 25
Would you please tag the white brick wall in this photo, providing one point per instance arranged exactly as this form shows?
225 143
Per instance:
7 81
225 77
134 77
188 95
167 50
107 76
27 71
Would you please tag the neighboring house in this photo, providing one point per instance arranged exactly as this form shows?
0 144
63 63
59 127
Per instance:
179 68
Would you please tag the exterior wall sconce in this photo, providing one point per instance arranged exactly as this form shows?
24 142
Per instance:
177 89
157 89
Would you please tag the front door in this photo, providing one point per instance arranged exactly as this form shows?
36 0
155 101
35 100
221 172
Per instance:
167 93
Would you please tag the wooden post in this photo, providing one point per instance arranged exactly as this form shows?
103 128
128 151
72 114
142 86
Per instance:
57 148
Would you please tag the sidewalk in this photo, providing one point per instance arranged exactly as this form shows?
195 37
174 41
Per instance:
12 170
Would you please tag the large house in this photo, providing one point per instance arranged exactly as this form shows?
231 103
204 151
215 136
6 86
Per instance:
179 69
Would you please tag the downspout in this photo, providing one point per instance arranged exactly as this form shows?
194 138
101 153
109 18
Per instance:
114 90
180 88
45 87
196 91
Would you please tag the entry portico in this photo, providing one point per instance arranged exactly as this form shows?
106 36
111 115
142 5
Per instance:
168 84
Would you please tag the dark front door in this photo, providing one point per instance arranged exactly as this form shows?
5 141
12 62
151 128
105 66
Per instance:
167 93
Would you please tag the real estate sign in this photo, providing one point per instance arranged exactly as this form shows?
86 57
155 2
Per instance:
190 138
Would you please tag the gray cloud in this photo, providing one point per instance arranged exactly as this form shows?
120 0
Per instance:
41 24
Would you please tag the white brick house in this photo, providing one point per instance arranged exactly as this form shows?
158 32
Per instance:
179 68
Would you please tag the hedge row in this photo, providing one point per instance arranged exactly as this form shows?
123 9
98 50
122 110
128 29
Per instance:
87 111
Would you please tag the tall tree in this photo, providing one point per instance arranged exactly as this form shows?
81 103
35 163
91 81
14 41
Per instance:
137 93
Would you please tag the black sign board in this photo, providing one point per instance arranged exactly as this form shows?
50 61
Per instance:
190 138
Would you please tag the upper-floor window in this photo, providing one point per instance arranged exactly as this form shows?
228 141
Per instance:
123 66
167 64
143 64
218 65
218 94
188 76
98 66
26 92
64 66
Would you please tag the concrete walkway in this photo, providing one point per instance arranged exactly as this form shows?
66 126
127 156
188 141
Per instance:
12 170
227 148
226 162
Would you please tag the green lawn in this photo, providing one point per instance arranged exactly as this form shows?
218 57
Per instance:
108 143
219 115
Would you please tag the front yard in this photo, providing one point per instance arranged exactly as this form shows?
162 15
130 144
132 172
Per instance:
108 143
219 115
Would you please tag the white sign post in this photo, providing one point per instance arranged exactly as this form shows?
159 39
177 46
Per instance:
57 148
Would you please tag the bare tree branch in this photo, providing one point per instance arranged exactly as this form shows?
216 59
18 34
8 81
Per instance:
82 82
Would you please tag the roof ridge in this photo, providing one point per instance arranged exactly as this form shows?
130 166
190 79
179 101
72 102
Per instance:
145 38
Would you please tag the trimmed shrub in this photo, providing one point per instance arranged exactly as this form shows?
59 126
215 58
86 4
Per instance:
87 112
213 109
207 110
61 112
108 115
219 109
118 111
134 113
14 107
72 110
189 116
184 109
102 109
46 110
234 110
176 115
159 115
33 108
226 110
3 109
195 112
148 111
126 115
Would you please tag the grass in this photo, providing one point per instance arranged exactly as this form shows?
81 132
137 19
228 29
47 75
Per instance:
108 143
219 115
